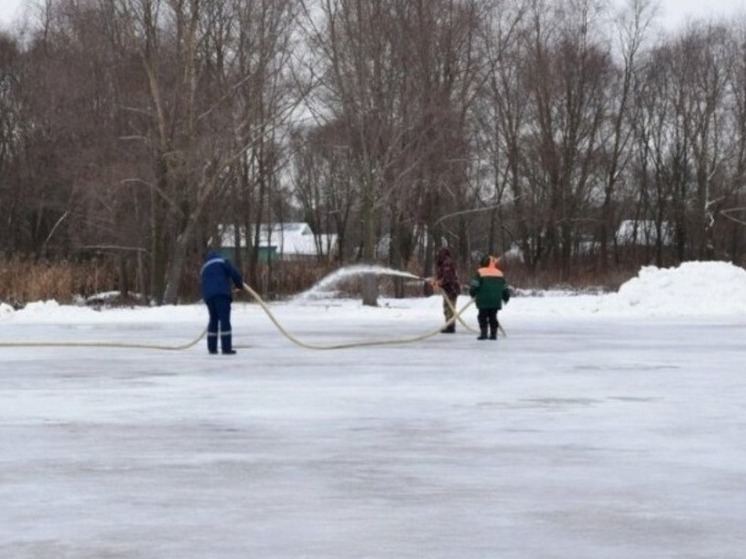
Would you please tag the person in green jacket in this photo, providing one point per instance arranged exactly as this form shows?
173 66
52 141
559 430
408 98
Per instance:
490 291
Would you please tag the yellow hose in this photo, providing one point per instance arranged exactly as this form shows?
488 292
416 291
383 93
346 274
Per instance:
300 343
263 305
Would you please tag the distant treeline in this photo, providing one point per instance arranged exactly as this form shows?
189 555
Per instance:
131 130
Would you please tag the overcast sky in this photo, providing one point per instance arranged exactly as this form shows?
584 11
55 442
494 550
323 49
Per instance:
8 9
673 12
676 12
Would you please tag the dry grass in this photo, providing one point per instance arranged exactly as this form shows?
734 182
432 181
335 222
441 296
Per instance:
583 276
23 280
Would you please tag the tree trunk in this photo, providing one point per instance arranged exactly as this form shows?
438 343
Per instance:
369 284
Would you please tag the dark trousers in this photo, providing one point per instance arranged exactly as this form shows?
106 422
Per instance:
449 306
487 317
219 308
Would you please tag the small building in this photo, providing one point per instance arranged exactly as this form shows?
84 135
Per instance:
281 241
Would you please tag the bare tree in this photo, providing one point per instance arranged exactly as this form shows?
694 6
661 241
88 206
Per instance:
323 181
569 73
631 26
711 61
733 203
197 120
399 98
501 123
10 131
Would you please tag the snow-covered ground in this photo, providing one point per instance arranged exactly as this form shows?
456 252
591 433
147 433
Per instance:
602 426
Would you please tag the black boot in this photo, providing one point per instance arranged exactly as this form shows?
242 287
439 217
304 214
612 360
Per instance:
450 329
212 343
226 344
493 333
482 334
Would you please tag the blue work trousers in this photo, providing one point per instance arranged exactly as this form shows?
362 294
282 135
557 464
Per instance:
219 308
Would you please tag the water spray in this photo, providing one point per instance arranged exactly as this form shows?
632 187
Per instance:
350 271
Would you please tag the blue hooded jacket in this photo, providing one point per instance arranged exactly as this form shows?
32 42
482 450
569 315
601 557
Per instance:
216 276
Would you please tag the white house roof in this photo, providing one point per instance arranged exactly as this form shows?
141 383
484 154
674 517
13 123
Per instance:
643 232
291 239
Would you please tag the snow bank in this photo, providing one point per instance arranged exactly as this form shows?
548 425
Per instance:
51 312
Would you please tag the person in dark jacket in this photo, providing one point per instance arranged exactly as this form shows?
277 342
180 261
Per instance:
446 279
216 276
490 291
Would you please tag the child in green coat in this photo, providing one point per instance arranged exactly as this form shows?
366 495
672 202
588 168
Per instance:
490 290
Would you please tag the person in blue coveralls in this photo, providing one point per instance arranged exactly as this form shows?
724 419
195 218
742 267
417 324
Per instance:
216 276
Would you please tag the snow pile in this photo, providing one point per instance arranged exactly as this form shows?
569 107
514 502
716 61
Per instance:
693 288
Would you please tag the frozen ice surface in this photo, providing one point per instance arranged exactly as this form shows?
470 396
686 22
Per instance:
607 426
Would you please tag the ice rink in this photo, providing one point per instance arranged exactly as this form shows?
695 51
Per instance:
594 430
